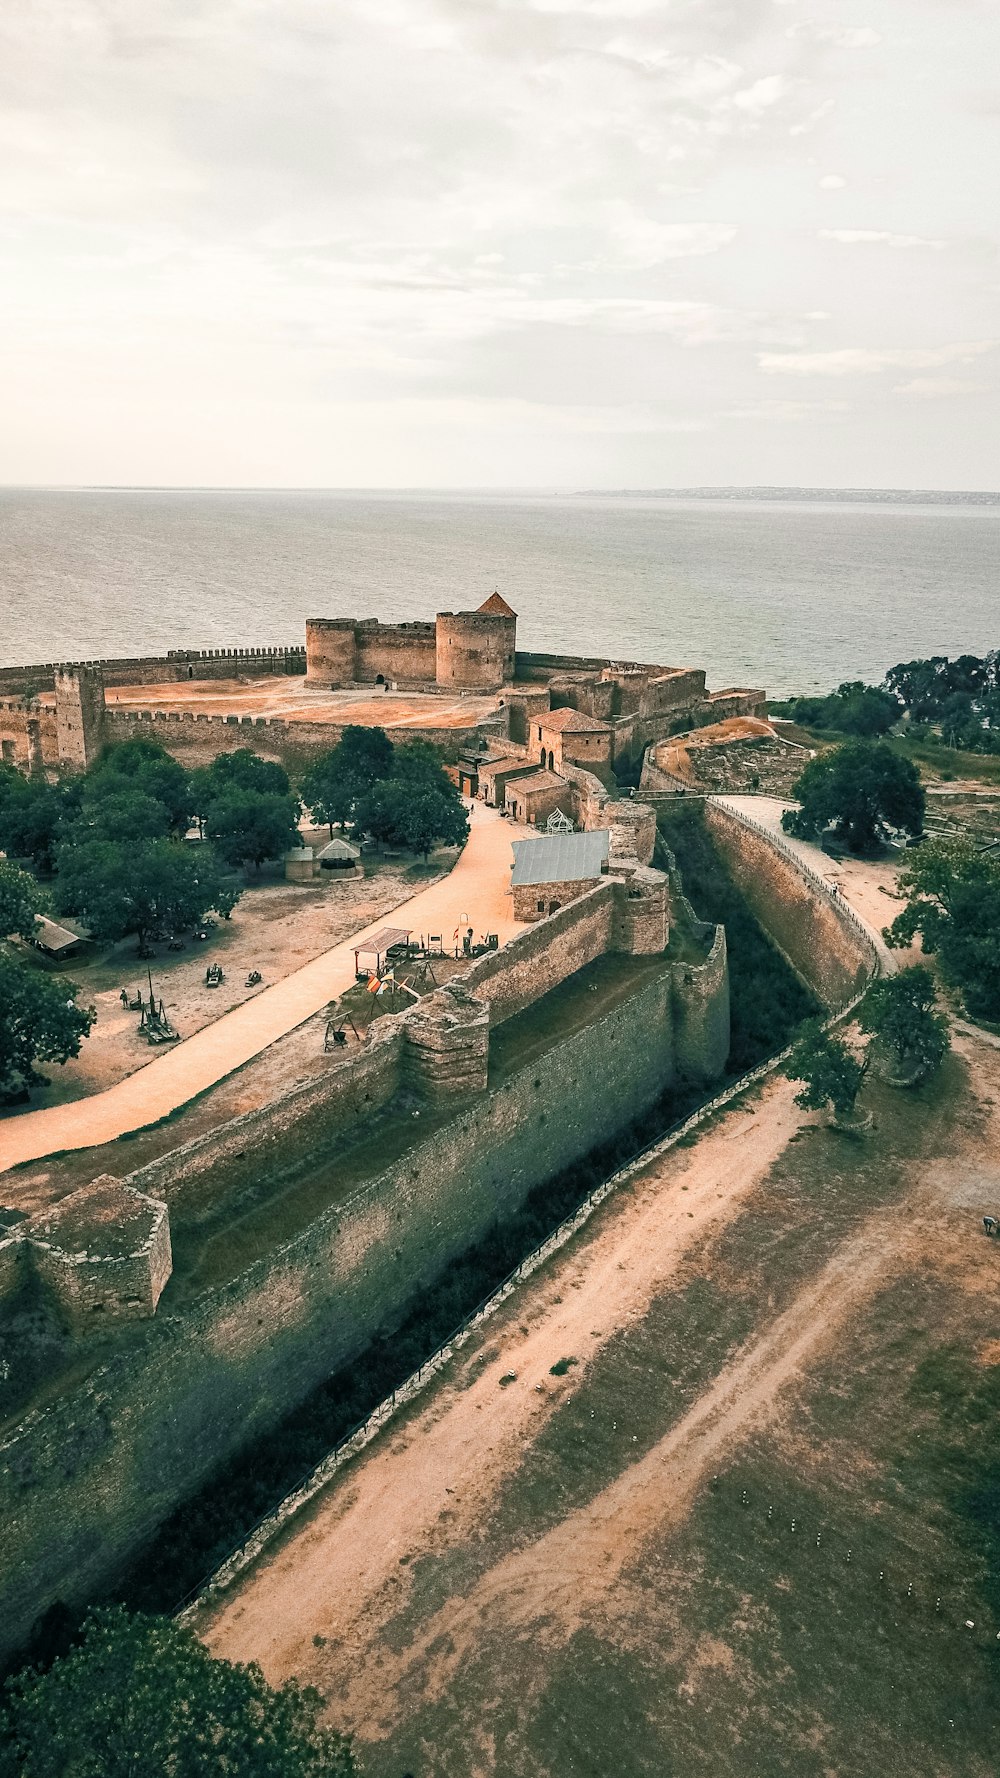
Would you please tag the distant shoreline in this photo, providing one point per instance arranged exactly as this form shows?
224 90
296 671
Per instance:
851 496
825 496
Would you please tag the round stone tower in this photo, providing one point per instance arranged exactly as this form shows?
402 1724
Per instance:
475 649
331 650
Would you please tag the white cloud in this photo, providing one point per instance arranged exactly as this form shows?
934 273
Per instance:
858 361
218 205
934 387
840 36
874 237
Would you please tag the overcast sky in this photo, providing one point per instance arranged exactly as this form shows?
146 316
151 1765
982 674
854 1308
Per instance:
500 242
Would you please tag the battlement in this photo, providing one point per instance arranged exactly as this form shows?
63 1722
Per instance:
103 1251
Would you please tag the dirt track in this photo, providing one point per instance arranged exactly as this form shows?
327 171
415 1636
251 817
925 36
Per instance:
339 1568
478 888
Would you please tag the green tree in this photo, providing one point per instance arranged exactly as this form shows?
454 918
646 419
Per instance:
419 763
143 766
119 887
431 819
336 782
39 1021
117 813
899 1012
32 816
140 1697
953 901
20 901
862 790
830 1071
240 770
248 826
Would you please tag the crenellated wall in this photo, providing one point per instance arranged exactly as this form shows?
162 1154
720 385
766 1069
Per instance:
164 669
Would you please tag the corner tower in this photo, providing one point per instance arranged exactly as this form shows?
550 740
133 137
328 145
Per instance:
475 649
79 715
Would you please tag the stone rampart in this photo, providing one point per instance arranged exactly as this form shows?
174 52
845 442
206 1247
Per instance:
196 738
536 961
164 669
821 940
85 1479
275 1137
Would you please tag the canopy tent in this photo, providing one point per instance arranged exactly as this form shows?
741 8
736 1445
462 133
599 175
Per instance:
379 944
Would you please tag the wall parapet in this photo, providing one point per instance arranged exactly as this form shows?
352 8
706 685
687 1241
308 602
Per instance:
871 953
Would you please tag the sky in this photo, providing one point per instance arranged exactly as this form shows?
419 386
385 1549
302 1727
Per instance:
488 243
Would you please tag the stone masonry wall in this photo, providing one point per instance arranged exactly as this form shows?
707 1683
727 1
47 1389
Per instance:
195 739
165 669
86 1479
818 939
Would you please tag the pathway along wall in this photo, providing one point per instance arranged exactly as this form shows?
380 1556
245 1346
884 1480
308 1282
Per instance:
85 1480
821 940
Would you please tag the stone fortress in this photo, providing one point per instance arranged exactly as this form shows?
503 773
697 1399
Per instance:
459 681
170 1343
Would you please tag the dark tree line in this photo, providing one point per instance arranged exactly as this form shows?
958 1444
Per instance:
957 699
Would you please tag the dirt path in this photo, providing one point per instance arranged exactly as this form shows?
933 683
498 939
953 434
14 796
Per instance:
478 888
339 1571
344 1574
561 1579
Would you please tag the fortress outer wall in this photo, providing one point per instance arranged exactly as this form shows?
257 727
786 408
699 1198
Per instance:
818 939
87 1477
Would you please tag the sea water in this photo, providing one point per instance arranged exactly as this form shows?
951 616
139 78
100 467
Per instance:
789 594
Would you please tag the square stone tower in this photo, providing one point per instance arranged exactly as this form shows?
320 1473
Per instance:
79 715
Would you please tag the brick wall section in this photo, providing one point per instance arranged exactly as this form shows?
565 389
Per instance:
164 669
85 1480
817 938
103 1251
195 739
276 1136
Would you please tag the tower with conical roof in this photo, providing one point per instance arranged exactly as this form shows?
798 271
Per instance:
475 649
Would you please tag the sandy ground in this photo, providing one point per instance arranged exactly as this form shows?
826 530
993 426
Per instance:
292 699
475 893
338 1570
343 1600
275 928
348 1599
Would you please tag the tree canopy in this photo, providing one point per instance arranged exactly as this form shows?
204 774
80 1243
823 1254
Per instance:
952 895
119 886
241 770
336 782
961 697
39 1020
32 814
853 709
862 791
248 826
899 1012
20 901
140 1697
830 1071
144 767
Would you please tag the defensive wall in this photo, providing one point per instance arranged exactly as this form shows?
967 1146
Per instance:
195 738
816 933
163 669
143 1421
